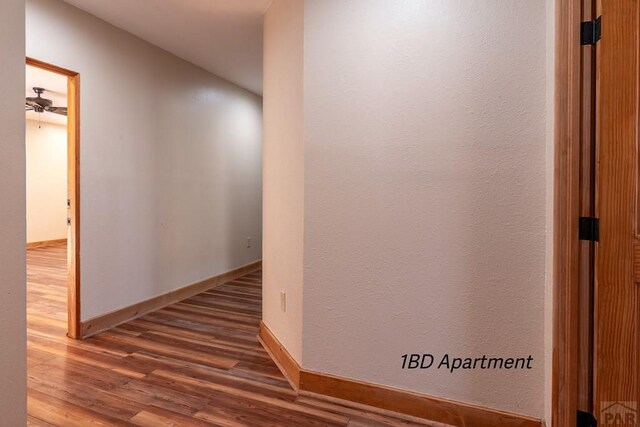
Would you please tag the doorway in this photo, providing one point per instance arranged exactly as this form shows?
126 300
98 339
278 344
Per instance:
596 366
37 104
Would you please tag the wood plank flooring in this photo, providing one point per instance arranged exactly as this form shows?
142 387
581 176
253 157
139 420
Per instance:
194 363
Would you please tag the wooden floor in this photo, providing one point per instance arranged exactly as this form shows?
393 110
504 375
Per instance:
195 363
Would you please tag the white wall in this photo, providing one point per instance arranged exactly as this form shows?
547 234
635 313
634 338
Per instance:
170 161
425 193
13 391
46 181
283 213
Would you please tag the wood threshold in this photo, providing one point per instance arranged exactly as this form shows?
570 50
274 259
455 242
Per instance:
44 243
114 318
387 398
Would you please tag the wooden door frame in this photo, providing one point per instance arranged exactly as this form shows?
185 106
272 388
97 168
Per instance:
73 192
566 249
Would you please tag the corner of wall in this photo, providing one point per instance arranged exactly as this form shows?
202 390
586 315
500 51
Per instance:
13 391
283 174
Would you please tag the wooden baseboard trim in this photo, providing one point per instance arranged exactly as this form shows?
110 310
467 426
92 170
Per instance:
410 403
387 398
285 362
33 245
109 320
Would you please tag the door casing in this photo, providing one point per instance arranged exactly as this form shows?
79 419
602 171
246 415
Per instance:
611 170
73 192
573 189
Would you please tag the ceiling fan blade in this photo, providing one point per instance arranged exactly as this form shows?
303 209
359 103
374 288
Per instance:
39 101
58 110
54 92
32 104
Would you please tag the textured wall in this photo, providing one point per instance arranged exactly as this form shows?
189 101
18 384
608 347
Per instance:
425 193
46 181
13 393
550 163
283 172
170 161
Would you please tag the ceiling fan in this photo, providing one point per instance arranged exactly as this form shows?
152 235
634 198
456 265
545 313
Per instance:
43 105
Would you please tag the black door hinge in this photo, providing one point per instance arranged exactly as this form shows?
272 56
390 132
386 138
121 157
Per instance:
590 31
588 228
585 419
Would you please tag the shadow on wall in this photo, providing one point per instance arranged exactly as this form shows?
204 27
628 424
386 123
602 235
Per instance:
212 192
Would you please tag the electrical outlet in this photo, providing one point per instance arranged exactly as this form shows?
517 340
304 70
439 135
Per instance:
283 301
249 241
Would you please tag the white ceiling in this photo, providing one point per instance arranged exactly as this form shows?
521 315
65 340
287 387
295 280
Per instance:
56 90
221 36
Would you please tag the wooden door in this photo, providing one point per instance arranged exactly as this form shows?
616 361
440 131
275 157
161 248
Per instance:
616 370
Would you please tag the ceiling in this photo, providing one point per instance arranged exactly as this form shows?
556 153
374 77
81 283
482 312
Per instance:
56 90
221 36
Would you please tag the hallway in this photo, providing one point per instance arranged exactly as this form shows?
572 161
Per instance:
194 363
